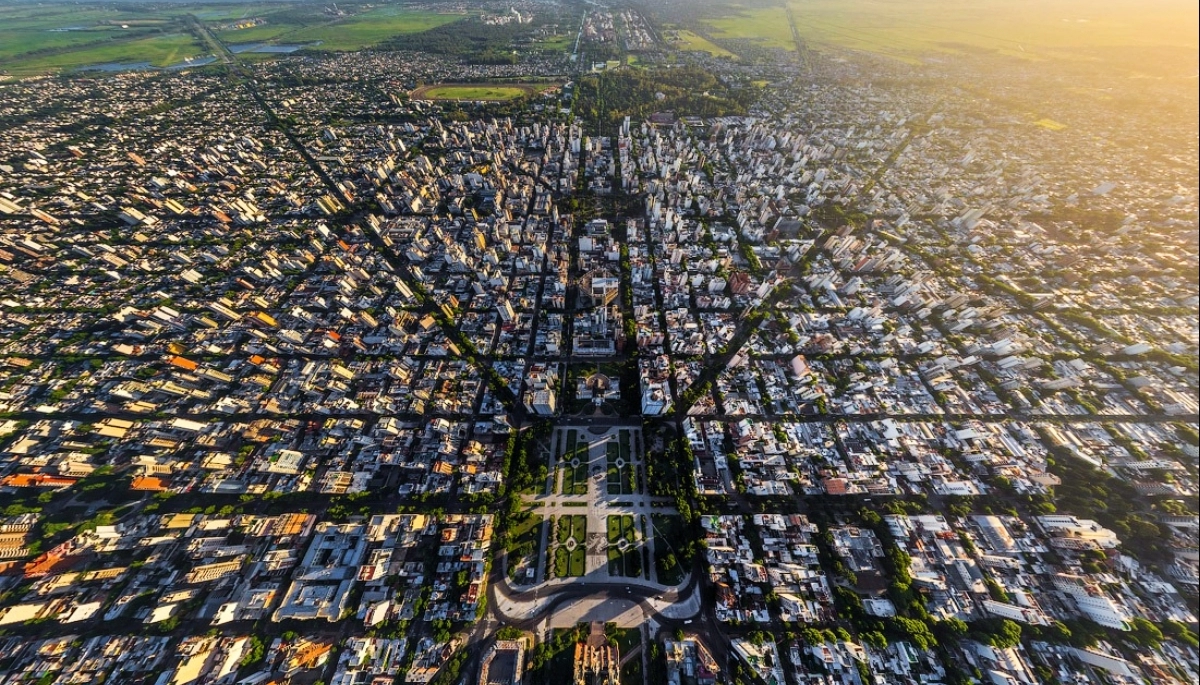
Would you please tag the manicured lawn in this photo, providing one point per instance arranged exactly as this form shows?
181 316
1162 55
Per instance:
484 92
620 478
574 478
578 563
612 472
627 562
571 562
560 562
527 529
579 528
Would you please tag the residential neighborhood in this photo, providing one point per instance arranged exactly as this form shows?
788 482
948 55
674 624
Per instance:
804 365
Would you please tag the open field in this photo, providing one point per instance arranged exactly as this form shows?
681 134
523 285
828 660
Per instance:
369 28
159 51
482 91
24 28
560 43
768 27
32 39
1029 29
17 42
228 12
42 38
692 42
257 34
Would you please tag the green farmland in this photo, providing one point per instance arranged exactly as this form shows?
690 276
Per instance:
159 51
42 38
37 39
1027 29
369 28
689 41
766 27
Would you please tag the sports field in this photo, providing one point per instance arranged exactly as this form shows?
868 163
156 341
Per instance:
473 92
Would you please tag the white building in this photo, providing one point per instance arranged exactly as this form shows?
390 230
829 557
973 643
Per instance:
1092 602
1074 533
654 400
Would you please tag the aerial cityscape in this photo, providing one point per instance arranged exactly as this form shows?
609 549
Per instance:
566 342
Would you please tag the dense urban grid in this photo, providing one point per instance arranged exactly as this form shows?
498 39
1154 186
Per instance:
542 347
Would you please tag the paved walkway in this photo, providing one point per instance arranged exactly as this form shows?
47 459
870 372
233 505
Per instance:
598 504
543 540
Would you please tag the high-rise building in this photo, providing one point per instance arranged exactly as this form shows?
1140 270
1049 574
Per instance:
505 308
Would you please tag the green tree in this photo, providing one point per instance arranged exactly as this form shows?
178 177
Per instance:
1007 634
254 652
1145 633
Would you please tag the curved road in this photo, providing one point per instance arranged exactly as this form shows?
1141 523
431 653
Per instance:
631 589
481 635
